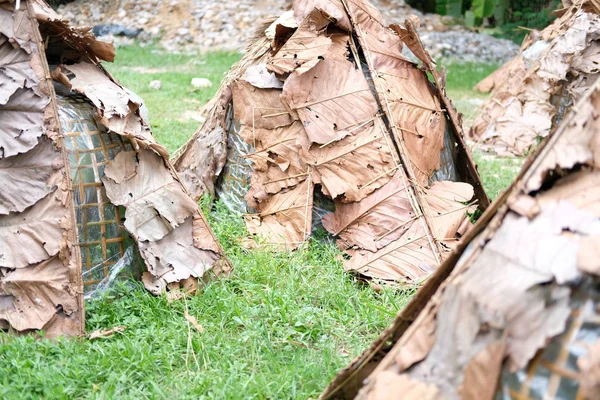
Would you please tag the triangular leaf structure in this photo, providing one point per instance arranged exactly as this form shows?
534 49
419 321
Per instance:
514 309
327 110
82 174
532 92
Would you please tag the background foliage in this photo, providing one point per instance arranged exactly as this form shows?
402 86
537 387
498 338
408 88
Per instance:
506 16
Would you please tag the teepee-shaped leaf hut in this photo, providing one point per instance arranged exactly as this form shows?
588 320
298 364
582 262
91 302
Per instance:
514 312
325 107
84 180
532 92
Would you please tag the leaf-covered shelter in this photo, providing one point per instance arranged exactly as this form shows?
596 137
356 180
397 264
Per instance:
86 186
324 113
514 311
532 92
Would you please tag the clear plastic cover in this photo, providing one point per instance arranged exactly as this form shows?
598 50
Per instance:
448 156
234 181
107 251
552 374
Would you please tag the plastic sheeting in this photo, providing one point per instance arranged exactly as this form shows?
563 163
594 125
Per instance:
448 157
234 181
107 251
552 374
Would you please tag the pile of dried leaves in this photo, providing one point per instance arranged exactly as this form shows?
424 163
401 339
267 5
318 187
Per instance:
531 92
40 260
324 101
514 312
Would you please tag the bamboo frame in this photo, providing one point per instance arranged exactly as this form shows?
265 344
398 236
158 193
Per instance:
101 238
553 368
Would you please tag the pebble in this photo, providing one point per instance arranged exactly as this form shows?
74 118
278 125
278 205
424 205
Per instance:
201 83
193 25
156 85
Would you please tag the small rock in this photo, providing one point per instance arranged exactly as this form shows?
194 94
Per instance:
201 83
377 288
156 85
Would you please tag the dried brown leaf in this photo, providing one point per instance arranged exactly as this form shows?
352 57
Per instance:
276 159
334 8
389 385
203 160
40 289
382 46
175 258
155 285
417 115
285 218
355 166
104 333
22 118
259 77
411 254
179 290
387 215
37 229
408 100
32 176
281 29
118 109
202 235
374 222
154 201
258 108
62 325
13 29
589 365
305 48
445 204
423 338
192 320
409 259
581 189
15 74
576 142
482 373
510 70
339 102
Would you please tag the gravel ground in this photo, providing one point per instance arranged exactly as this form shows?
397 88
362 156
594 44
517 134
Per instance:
191 25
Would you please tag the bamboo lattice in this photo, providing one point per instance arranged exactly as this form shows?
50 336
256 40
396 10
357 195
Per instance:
553 373
562 102
90 148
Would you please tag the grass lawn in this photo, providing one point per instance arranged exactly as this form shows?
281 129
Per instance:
280 328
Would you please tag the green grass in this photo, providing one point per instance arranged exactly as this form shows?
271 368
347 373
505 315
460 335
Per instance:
281 327
172 107
461 78
496 173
